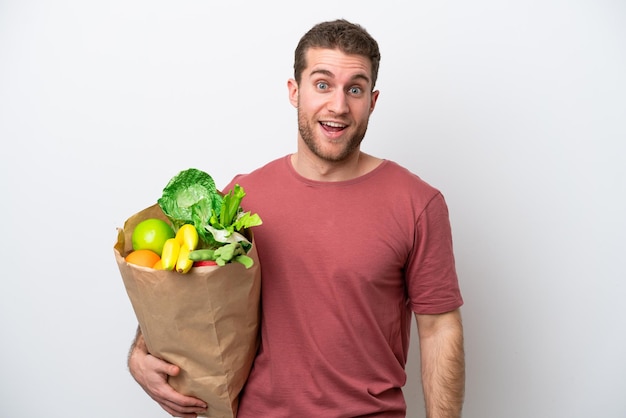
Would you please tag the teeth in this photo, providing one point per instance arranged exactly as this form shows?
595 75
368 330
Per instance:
334 124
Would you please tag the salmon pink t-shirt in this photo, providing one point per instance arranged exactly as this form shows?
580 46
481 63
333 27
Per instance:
344 265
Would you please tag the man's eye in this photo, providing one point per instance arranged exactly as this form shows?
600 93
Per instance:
322 86
355 90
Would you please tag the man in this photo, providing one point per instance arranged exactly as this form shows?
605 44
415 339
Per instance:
350 246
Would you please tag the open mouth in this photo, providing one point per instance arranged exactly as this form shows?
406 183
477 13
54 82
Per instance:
333 126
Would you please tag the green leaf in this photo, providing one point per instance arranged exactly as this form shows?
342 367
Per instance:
247 220
231 205
231 216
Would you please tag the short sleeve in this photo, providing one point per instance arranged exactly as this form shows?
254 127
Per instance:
431 276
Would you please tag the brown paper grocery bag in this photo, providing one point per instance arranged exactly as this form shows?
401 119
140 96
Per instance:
205 321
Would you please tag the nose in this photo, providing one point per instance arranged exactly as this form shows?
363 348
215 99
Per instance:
338 102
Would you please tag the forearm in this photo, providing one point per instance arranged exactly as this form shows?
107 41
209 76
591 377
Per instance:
443 364
138 346
152 374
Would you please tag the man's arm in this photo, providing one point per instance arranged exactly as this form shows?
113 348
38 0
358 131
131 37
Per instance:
442 363
152 373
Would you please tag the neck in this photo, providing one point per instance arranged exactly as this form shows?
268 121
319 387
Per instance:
316 169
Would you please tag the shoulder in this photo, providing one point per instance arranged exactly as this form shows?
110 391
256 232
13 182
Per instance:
401 177
409 192
261 175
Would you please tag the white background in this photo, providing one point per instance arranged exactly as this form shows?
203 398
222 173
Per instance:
515 110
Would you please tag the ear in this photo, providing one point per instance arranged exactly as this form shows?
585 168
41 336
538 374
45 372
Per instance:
292 86
374 98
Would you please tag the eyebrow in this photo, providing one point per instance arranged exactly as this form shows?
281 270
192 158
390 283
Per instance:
358 76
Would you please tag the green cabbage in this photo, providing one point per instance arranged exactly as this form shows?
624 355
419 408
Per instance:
191 197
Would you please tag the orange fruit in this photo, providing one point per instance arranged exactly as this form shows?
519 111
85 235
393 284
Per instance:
158 265
146 258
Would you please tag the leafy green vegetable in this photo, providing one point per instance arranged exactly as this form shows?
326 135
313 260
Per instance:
230 206
191 197
231 217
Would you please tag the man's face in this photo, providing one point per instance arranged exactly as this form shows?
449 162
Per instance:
334 101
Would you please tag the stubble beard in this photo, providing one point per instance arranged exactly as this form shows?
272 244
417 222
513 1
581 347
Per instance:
308 136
